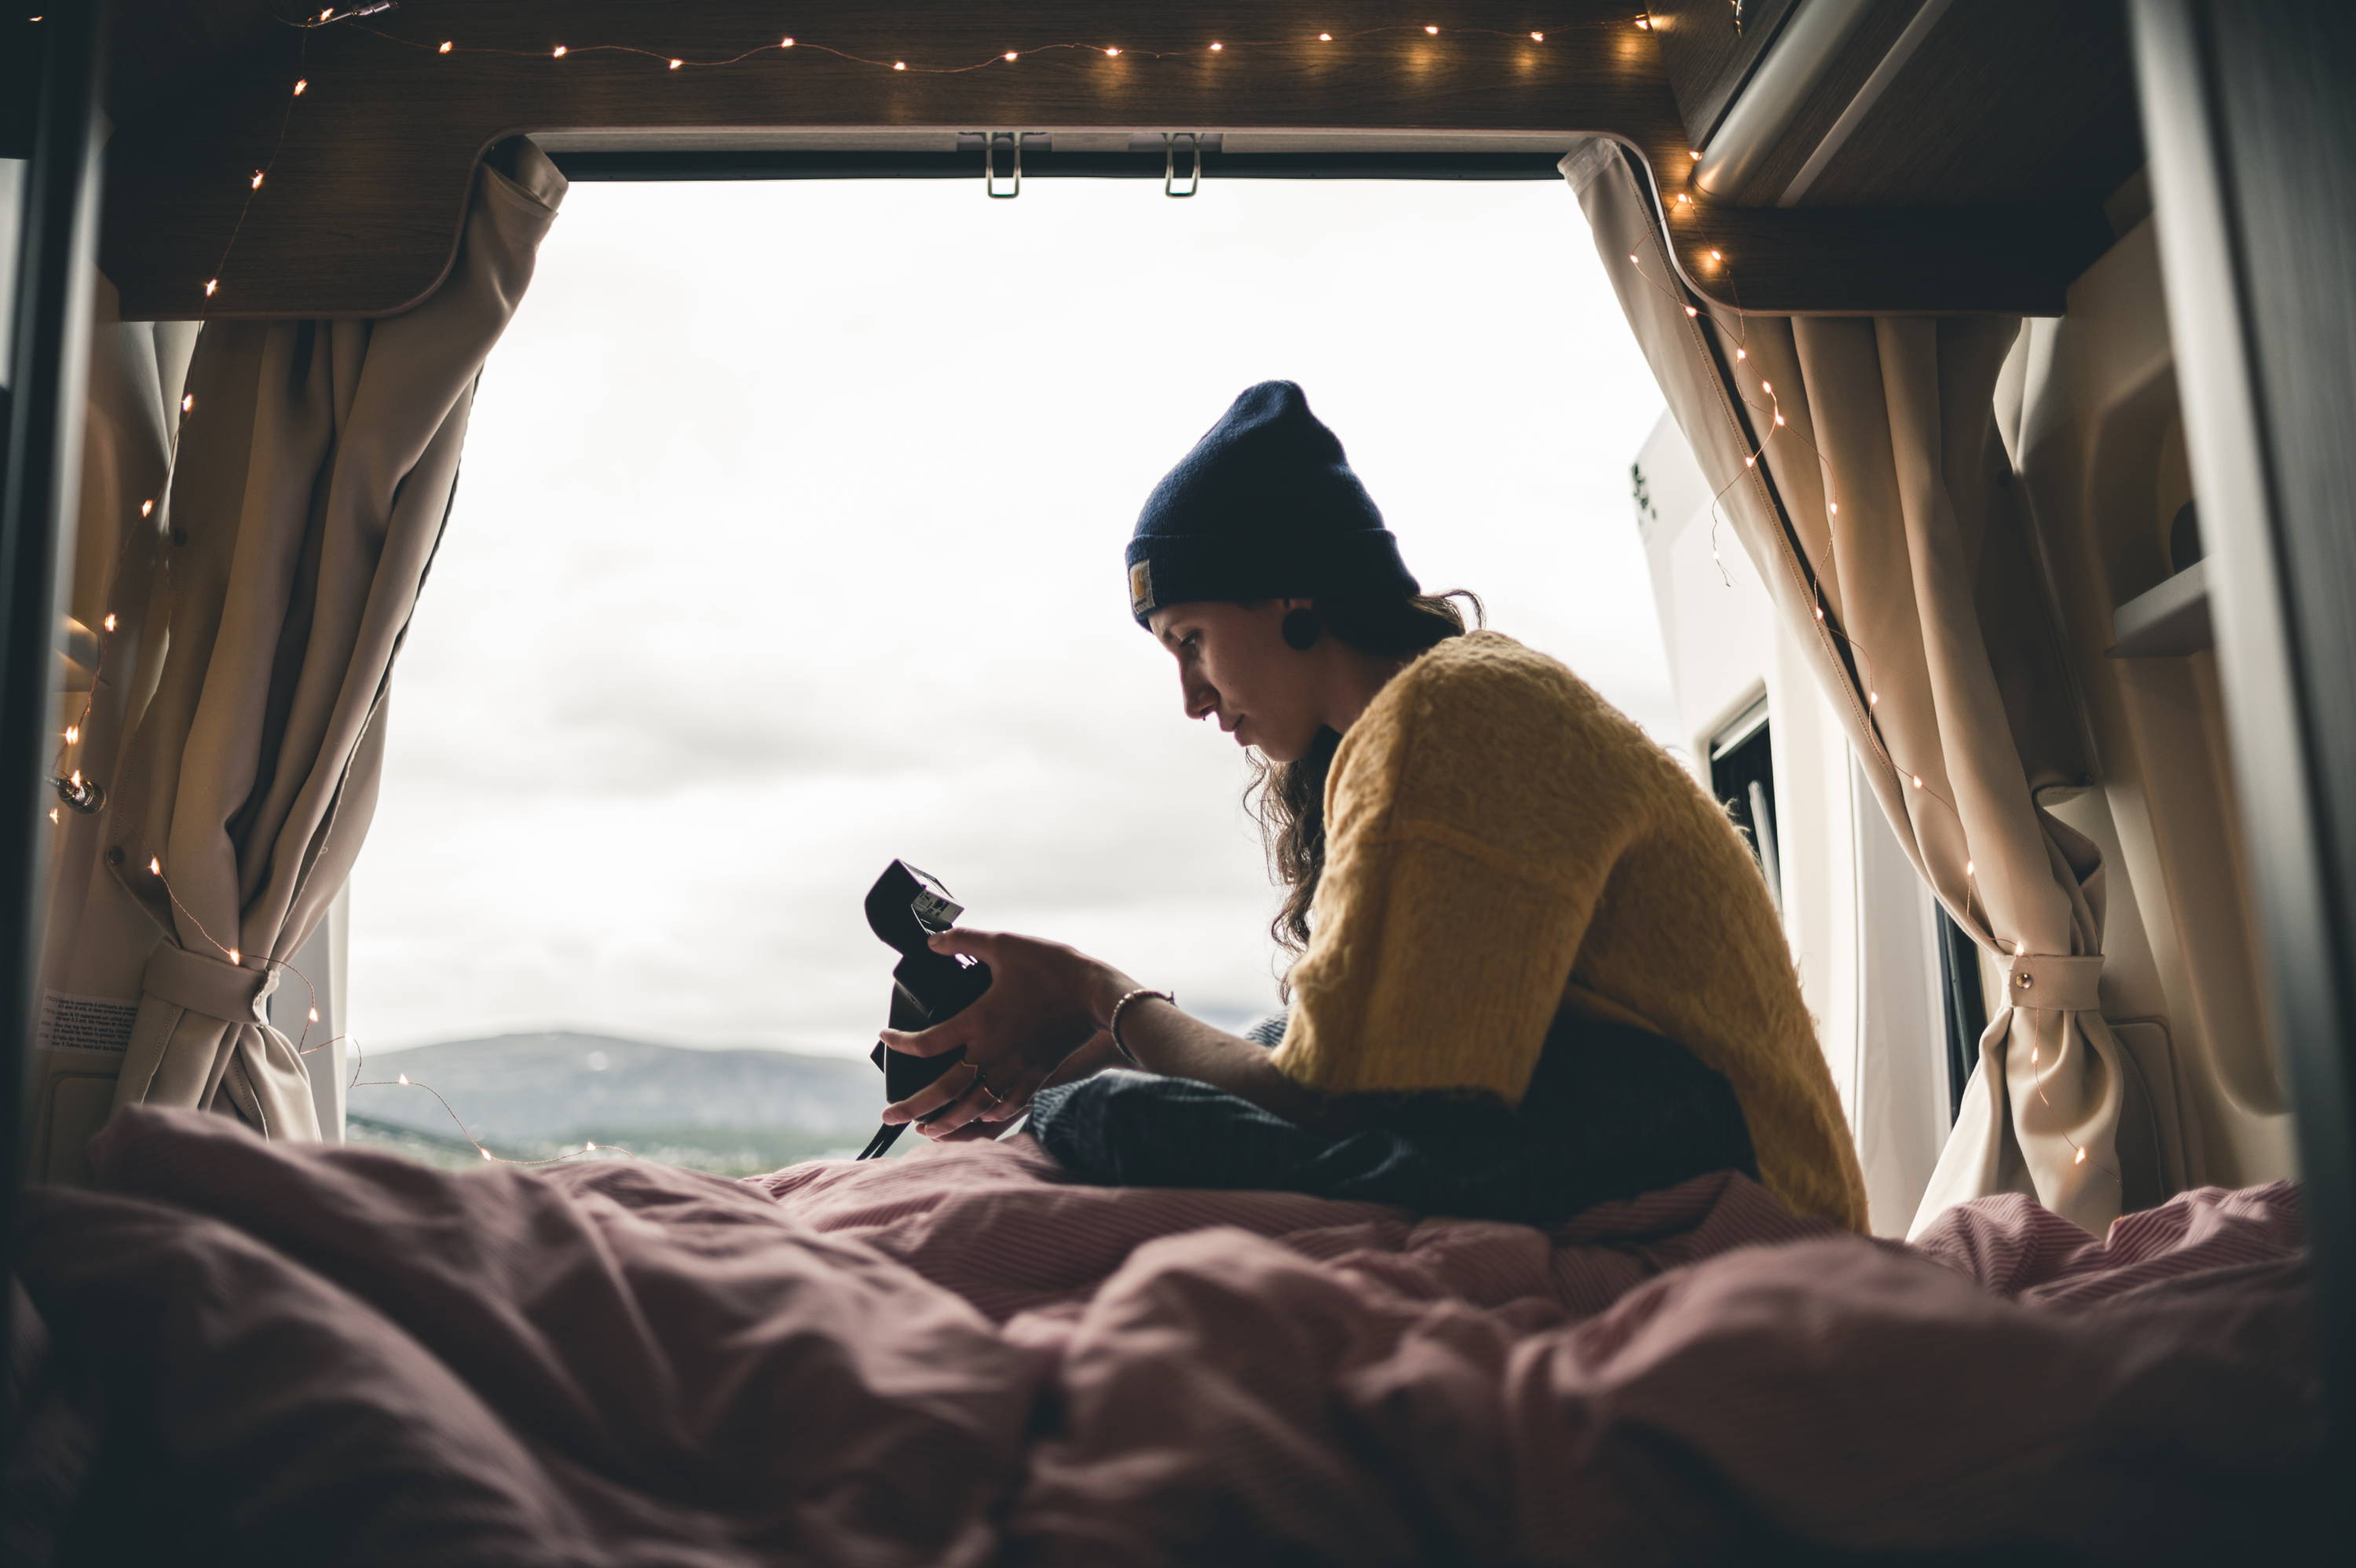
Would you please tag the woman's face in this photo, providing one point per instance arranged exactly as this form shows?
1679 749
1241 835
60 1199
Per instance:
1235 666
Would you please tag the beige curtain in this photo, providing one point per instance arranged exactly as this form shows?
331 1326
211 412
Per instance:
1882 515
238 724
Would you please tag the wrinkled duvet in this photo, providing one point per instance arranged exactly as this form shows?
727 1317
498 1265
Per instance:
325 1355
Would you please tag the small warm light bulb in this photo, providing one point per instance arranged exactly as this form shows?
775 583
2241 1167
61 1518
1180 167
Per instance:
154 867
1873 700
1716 256
1969 867
1917 777
785 43
257 180
1693 154
108 622
314 1015
1684 200
588 1149
560 52
75 778
1631 256
486 1154
1009 54
903 65
324 14
1644 24
402 1079
189 403
1109 53
1779 419
1742 354
2032 1056
210 284
1820 612
1750 463
2081 1159
235 957
1768 388
147 508
1538 37
1835 508
676 64
1324 38
1433 31
2020 949
444 49
73 734
1216 47
53 813
1690 310
302 84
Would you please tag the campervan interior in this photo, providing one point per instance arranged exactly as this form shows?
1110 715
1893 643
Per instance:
1995 531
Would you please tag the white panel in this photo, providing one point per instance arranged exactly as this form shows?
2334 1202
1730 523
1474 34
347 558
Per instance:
320 960
1898 1112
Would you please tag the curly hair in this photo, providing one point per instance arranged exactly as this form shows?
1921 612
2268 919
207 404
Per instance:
1288 799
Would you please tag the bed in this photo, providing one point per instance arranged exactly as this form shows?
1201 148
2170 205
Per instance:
312 1354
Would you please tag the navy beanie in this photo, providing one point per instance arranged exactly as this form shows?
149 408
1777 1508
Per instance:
1264 507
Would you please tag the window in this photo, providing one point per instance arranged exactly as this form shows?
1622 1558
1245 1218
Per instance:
789 543
1742 777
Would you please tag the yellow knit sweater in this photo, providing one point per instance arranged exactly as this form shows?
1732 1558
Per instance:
1503 844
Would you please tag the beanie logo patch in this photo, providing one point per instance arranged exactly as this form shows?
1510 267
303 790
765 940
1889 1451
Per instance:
1140 587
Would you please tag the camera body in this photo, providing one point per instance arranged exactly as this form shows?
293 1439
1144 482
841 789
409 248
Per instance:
905 908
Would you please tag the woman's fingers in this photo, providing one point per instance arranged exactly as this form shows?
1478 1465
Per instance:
957 1081
1014 1099
939 1040
961 1112
981 944
973 1132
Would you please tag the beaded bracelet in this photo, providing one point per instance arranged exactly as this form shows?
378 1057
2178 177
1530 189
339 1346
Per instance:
1112 1025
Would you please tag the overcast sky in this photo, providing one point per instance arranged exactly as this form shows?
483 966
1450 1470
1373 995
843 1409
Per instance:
789 540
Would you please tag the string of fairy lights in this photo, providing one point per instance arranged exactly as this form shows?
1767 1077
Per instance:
85 795
1775 424
352 18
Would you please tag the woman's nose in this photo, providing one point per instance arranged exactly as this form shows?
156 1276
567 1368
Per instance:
1201 698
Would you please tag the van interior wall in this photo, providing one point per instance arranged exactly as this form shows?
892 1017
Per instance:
2088 405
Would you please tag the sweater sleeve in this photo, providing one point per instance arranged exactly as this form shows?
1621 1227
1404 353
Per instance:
1472 832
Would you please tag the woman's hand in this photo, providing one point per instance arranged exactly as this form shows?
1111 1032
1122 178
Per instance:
1045 1001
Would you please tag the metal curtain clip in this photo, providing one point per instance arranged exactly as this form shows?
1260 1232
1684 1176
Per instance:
1014 143
1170 164
988 143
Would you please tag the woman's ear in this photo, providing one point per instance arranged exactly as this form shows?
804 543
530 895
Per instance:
1301 628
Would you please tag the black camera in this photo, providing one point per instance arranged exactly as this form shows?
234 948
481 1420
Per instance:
905 908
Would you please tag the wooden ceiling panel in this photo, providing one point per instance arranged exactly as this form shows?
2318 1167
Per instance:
2006 100
368 170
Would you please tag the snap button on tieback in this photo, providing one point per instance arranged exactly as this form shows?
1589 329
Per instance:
2059 983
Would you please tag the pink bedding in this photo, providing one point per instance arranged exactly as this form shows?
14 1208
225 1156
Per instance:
333 1356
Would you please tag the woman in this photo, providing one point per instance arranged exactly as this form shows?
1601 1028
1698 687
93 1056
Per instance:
1538 967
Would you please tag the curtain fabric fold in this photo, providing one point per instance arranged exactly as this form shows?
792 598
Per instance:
1858 461
256 635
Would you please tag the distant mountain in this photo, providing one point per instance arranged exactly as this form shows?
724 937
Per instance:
558 1086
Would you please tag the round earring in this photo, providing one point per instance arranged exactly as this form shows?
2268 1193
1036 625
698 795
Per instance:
1302 628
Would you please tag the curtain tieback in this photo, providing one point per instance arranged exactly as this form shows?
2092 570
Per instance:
2053 981
213 986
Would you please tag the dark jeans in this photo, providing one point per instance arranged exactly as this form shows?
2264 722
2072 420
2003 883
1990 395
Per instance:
1611 1112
